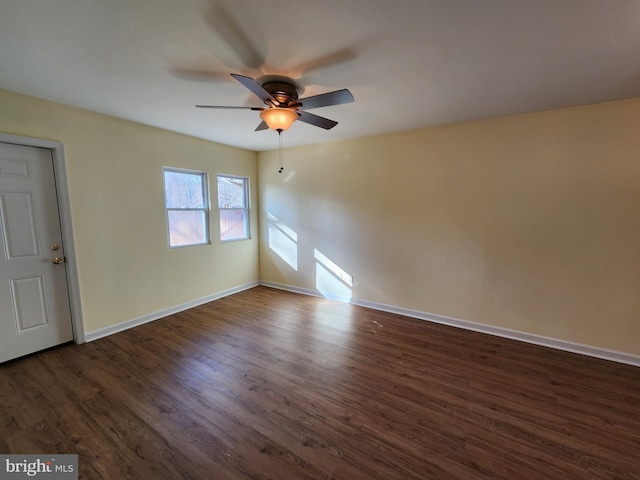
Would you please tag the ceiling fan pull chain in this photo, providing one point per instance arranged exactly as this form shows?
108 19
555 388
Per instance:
281 163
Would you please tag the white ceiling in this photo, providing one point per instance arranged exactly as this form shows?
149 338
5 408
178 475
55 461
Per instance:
408 63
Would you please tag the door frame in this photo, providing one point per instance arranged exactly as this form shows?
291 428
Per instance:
64 208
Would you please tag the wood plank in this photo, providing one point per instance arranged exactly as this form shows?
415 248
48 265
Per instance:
270 384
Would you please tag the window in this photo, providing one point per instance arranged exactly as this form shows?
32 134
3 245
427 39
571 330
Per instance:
233 202
187 207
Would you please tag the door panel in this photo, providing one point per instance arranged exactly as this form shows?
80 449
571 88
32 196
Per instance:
19 225
34 299
29 312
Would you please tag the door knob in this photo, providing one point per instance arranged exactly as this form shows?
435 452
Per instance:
58 260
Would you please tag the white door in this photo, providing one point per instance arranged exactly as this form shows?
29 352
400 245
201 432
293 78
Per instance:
34 300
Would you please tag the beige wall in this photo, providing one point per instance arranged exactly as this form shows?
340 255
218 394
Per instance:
114 170
529 222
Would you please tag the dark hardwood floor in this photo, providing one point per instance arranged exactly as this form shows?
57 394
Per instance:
267 384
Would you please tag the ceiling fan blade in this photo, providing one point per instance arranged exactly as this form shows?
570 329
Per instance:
256 88
199 75
328 61
236 38
327 99
258 109
316 120
262 126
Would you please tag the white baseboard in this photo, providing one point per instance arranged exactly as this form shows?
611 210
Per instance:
555 343
119 327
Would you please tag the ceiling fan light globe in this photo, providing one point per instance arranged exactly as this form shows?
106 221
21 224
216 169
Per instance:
278 119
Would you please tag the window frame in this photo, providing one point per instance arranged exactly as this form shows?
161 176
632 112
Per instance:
247 209
206 208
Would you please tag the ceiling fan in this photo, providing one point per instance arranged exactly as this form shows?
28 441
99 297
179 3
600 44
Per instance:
283 106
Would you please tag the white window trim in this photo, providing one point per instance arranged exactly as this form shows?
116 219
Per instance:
247 200
206 208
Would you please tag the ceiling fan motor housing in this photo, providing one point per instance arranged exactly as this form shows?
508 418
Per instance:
284 92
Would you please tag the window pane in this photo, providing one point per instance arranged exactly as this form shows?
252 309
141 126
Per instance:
233 224
184 190
231 192
187 227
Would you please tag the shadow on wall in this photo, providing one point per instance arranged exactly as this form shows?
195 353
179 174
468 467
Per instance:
331 281
283 241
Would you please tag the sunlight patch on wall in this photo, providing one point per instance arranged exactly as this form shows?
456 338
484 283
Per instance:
331 280
283 241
